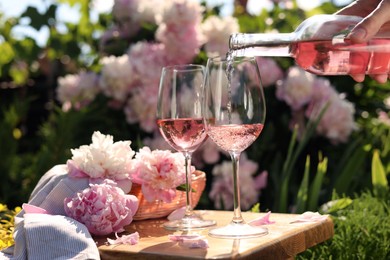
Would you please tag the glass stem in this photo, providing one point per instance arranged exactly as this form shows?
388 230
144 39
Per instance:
188 212
237 218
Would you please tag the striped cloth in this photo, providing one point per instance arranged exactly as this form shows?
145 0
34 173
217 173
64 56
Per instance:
54 236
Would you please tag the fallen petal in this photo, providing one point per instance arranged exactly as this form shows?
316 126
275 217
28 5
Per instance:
264 220
190 241
131 239
177 214
310 216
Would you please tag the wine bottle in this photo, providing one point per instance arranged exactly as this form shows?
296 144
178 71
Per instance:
321 46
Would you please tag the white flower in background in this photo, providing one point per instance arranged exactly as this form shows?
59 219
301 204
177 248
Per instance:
387 102
296 90
103 159
77 90
222 187
151 10
217 31
182 12
116 77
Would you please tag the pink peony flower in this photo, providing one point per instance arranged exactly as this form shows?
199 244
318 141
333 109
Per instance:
77 90
222 186
337 123
182 42
297 89
180 30
384 118
126 18
141 107
147 61
102 208
159 172
103 159
270 72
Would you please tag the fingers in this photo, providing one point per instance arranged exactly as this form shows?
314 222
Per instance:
380 78
371 24
358 77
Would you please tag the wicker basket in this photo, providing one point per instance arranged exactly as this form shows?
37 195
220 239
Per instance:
158 208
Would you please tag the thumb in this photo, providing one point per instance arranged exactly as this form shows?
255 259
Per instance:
370 25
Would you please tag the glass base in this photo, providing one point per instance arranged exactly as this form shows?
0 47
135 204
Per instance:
188 223
238 230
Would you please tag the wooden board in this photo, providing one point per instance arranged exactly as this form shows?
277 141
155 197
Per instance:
284 240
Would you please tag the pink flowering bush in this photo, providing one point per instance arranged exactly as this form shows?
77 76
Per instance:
159 172
102 208
308 95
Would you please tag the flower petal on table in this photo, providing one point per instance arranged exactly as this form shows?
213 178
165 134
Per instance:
131 239
310 216
263 220
190 241
177 214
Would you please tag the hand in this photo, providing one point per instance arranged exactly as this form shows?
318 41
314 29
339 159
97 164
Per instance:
376 19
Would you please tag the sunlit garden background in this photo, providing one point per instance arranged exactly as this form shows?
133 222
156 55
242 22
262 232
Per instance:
326 142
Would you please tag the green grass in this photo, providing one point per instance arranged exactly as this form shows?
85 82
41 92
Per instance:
362 231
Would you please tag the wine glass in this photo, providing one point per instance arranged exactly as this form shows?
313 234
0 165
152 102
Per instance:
180 122
234 114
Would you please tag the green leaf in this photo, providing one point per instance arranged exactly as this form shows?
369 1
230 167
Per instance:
7 53
303 189
316 185
256 208
183 187
37 20
335 205
351 168
379 180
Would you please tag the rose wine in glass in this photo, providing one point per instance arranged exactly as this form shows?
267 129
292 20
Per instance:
181 124
234 113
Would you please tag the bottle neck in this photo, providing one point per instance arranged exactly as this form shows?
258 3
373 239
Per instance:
261 44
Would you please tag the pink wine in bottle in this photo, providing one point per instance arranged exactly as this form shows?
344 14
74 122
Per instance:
320 45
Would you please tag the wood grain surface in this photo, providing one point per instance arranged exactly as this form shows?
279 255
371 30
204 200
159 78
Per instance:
283 241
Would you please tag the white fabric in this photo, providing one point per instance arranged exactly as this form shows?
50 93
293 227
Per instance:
54 236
